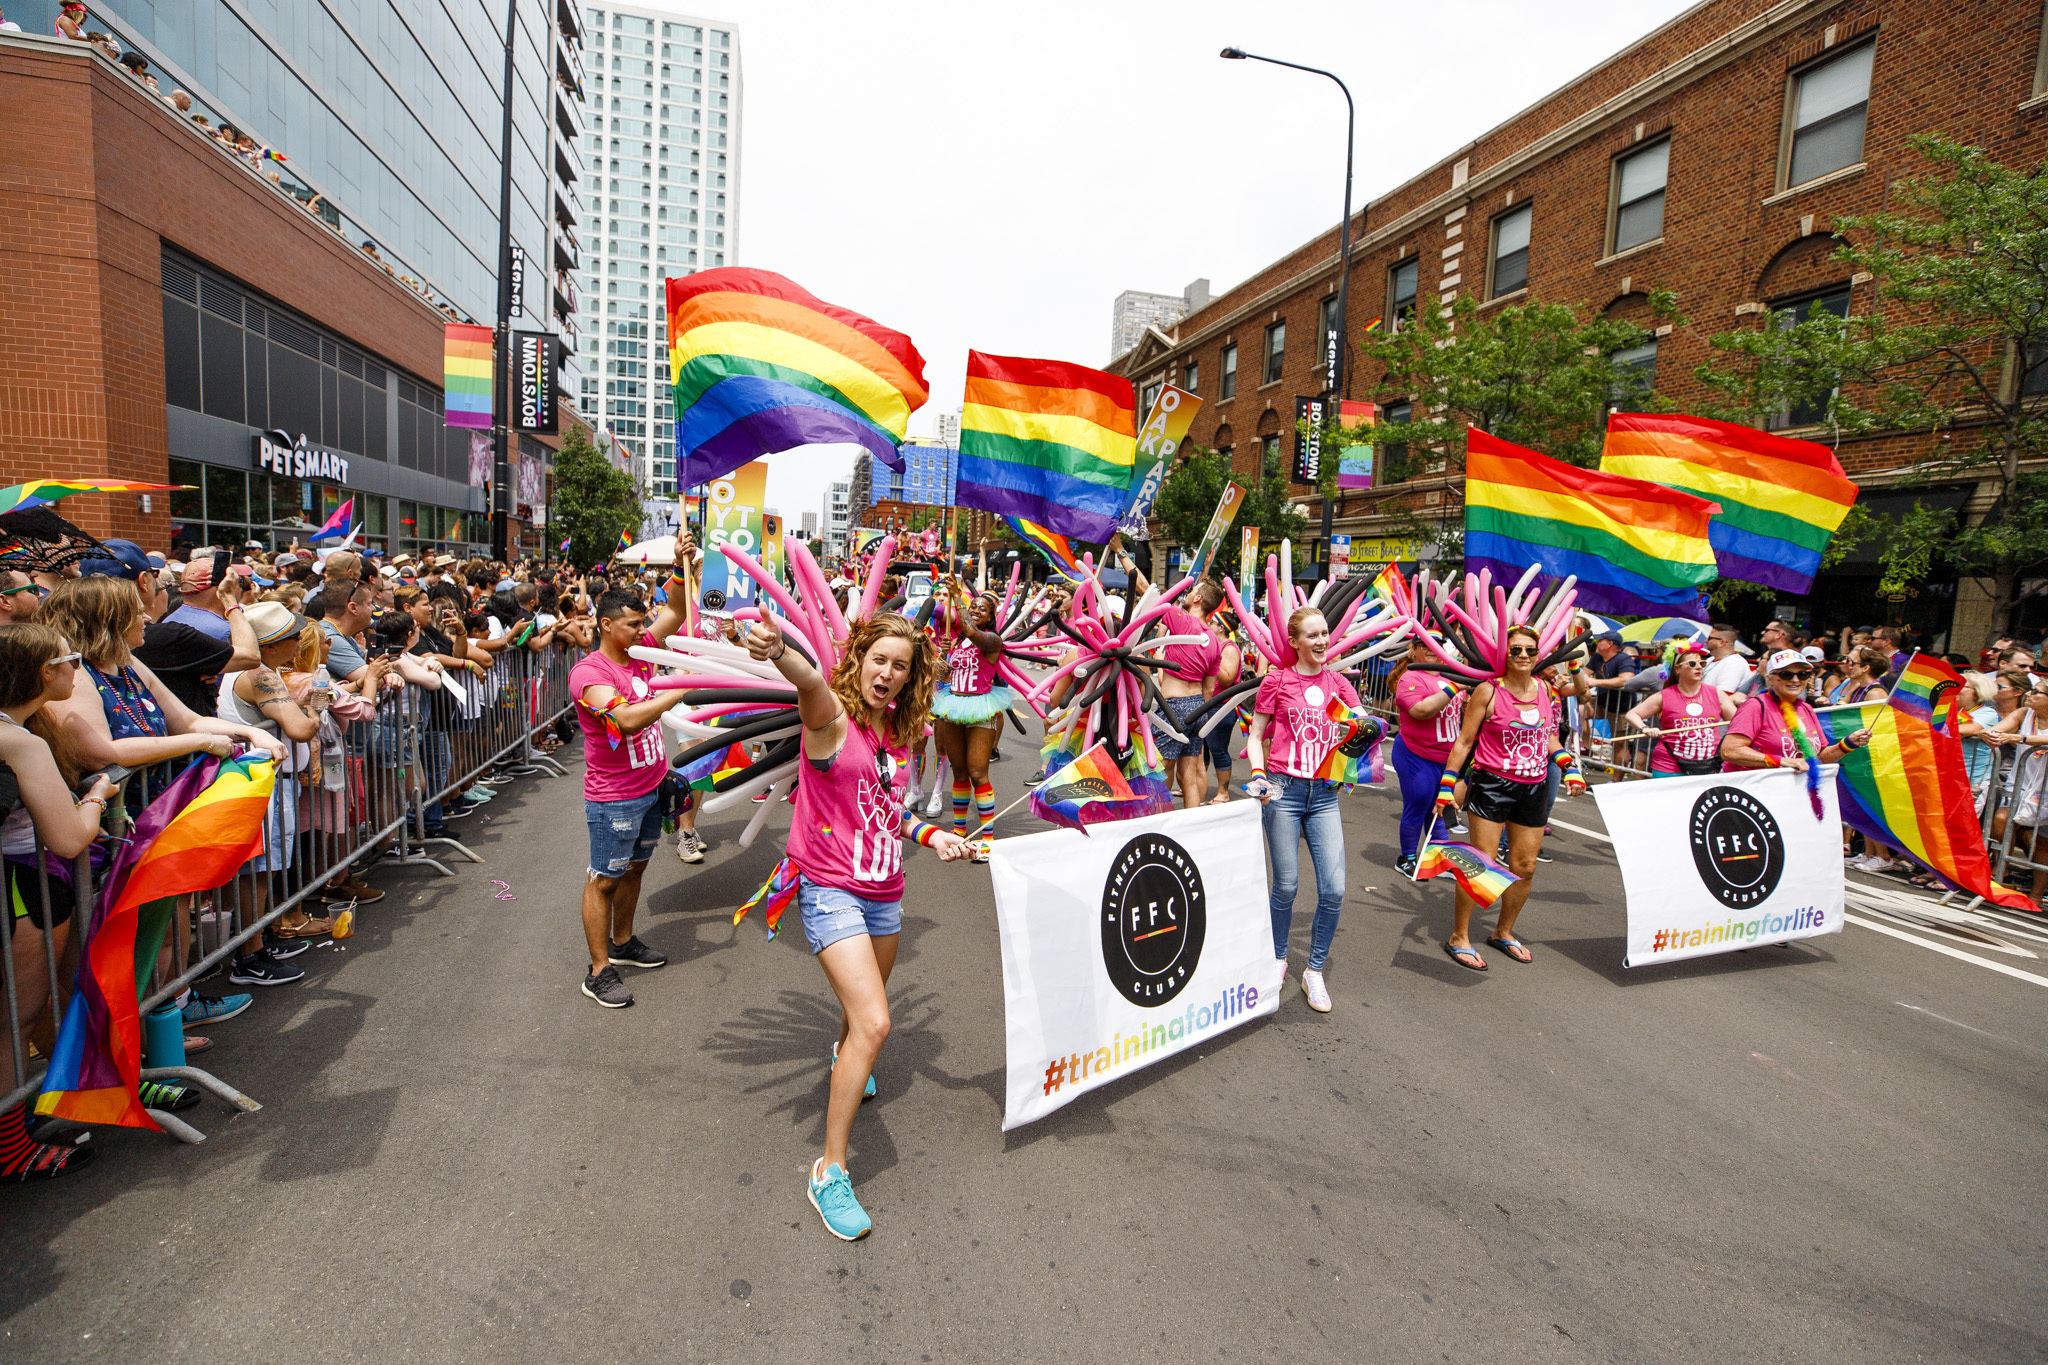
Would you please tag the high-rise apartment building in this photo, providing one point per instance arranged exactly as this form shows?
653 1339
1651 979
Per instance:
1136 310
838 518
663 108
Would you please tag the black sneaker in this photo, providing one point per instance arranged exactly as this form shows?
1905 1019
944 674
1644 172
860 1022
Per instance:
261 969
163 1095
1406 866
607 990
1541 856
634 953
282 948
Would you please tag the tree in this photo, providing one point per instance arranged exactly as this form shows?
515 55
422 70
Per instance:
594 501
1187 500
1957 351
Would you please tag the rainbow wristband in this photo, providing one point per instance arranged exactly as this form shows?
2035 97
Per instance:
924 832
1565 759
1447 786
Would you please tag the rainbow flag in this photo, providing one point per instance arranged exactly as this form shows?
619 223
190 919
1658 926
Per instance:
467 371
1927 686
774 895
336 525
1355 421
1391 588
760 366
706 773
1910 788
625 543
1091 790
43 492
1048 442
1356 757
1781 499
1055 548
1484 879
1638 548
193 837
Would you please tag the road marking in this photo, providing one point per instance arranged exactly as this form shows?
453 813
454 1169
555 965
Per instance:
1944 1018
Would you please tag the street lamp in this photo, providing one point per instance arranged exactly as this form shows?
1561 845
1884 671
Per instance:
1337 371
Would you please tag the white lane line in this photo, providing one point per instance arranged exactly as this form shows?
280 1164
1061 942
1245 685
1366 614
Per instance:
1945 1019
1941 948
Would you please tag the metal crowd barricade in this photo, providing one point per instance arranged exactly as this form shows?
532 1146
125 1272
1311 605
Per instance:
356 796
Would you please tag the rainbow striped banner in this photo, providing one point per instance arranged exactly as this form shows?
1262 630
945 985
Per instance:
1638 548
1048 442
468 375
761 366
43 492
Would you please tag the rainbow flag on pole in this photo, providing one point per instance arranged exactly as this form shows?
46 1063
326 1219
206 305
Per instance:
1910 788
760 366
1091 790
1781 500
193 837
1058 553
1484 879
1927 686
43 492
1638 548
467 377
1049 442
1356 757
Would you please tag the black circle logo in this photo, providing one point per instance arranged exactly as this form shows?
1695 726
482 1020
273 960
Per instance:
1737 847
714 599
1369 732
1154 917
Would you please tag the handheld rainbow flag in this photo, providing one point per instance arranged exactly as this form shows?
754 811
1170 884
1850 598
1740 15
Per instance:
1927 687
625 543
1390 587
1909 788
1780 499
466 366
1372 327
1058 553
42 492
1091 790
704 774
336 525
1049 442
1638 548
194 836
1484 879
1356 756
760 366
774 895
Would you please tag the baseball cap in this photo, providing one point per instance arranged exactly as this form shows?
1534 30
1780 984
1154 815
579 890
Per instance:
125 559
1612 637
1783 658
1813 654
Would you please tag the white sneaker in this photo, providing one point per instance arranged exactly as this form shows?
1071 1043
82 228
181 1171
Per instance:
932 807
1318 996
911 799
1877 864
1283 979
689 847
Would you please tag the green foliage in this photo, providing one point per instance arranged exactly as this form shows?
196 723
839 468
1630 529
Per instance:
1187 500
593 501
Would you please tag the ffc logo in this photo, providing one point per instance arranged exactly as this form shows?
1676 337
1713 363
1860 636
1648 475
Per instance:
1737 847
1154 918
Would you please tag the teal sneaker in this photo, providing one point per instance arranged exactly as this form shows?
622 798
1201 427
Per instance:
868 1092
211 1009
832 1197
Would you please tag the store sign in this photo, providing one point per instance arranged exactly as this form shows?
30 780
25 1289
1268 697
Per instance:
517 277
278 454
535 356
1310 415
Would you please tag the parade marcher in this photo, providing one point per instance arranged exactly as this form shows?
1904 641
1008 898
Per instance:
1291 735
1188 680
1509 731
1429 711
846 849
1687 715
1776 728
969 708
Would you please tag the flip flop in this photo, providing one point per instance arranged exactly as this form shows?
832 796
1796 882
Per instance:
1458 955
1512 947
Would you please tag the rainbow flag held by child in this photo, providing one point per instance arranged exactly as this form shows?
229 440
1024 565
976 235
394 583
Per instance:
1927 686
1356 756
774 896
1484 880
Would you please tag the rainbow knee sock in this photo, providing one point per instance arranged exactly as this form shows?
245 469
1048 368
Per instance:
984 804
961 792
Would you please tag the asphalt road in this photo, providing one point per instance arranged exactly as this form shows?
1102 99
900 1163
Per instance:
1819 1153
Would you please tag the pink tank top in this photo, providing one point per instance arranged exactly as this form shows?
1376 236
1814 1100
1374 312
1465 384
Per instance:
848 818
1517 736
973 675
1690 726
1190 663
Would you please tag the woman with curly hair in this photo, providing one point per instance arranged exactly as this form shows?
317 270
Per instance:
846 849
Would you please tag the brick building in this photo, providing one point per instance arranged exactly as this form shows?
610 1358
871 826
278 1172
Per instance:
1709 158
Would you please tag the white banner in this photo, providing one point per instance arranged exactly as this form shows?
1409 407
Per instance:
1125 945
1723 862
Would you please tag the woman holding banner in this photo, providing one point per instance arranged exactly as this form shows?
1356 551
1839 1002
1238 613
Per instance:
1688 714
846 852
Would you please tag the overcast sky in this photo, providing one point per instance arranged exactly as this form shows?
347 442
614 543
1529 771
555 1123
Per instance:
994 175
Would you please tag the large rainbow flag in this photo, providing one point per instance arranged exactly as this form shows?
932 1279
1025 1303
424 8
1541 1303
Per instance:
1781 499
194 837
1048 442
1638 548
43 492
466 378
760 366
1054 547
1910 788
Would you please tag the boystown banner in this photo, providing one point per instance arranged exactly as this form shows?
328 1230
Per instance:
1166 426
1311 415
535 358
1726 861
733 517
1126 945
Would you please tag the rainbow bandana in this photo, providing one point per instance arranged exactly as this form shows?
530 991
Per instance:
774 895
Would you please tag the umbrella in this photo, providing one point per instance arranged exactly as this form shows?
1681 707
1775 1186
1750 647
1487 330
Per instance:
1596 624
43 492
1664 628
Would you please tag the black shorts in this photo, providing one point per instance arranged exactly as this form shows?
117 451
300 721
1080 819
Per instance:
23 888
1504 801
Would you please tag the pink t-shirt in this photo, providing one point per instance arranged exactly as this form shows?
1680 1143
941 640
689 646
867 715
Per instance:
1517 736
1760 721
973 675
1300 736
1190 663
849 817
1691 727
1431 737
635 768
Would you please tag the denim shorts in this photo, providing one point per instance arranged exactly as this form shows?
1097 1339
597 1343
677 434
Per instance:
1178 709
831 914
622 832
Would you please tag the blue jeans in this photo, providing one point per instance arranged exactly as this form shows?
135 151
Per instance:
434 759
1304 808
1219 747
1419 777
622 832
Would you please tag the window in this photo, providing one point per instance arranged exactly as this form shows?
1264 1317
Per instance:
1147 397
1833 301
1191 377
1327 325
2041 58
1635 376
1639 196
1229 374
1825 119
1401 282
1394 462
1510 252
1269 455
1276 352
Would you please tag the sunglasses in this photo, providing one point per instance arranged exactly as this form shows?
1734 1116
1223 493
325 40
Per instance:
71 658
26 587
1521 651
1794 674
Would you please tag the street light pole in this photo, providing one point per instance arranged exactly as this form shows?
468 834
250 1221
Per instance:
1335 358
501 411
